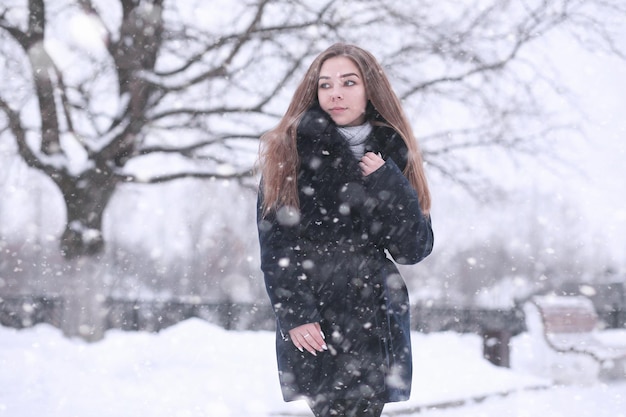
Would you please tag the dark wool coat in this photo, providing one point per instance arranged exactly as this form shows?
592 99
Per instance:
328 264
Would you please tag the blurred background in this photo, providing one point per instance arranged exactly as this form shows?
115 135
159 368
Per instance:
129 135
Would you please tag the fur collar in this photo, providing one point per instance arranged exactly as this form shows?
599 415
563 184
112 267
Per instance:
331 187
318 138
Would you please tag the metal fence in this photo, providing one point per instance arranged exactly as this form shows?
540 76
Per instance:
155 315
26 311
496 327
145 315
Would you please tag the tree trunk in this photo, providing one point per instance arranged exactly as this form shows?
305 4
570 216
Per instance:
84 311
82 245
85 198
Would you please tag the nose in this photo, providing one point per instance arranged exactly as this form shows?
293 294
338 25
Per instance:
336 94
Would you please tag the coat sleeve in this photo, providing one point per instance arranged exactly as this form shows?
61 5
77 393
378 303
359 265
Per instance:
397 222
292 299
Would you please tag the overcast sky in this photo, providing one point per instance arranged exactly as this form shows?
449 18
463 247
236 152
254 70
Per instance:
600 82
592 180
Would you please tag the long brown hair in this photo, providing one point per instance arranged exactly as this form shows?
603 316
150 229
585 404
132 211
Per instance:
279 156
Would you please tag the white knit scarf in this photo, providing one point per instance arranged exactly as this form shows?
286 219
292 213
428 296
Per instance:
356 137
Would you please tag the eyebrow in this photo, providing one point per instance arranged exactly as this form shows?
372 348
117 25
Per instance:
325 77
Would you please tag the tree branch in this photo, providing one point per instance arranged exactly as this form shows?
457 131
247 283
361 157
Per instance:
187 150
181 175
19 132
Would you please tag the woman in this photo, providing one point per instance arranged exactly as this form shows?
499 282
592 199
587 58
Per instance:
342 185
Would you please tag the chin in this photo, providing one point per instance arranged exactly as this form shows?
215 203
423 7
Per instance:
351 122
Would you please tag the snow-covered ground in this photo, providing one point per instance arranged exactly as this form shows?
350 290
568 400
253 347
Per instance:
198 369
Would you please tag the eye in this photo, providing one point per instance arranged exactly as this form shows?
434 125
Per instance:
349 83
323 86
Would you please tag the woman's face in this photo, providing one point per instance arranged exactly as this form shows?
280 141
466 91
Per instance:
341 92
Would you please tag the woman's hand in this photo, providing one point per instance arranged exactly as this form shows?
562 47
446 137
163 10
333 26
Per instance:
370 163
310 337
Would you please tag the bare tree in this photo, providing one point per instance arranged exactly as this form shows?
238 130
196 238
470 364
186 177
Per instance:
105 93
156 85
479 64
158 88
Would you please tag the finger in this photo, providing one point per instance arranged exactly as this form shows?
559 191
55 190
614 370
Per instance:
366 163
316 341
310 337
307 342
319 334
366 169
373 160
370 164
299 342
298 339
319 329
296 343
373 156
313 339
